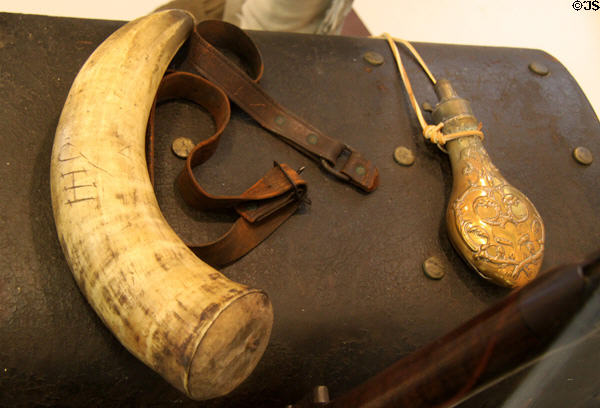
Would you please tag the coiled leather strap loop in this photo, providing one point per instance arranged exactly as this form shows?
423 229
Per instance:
274 198
262 207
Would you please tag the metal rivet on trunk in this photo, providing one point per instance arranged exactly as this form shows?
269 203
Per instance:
538 68
320 394
280 120
182 147
583 155
360 170
373 58
312 138
404 156
434 268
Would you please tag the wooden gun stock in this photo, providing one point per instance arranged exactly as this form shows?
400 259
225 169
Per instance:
507 335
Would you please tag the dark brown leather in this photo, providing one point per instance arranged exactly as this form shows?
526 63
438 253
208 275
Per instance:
262 207
269 202
243 88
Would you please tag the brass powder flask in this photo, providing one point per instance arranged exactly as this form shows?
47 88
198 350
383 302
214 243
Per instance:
494 226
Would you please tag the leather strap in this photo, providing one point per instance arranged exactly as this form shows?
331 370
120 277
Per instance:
274 198
262 207
211 36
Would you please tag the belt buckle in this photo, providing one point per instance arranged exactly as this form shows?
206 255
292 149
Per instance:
332 170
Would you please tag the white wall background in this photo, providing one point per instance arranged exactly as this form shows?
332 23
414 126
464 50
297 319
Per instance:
573 37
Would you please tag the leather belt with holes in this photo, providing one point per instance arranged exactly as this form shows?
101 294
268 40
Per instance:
274 198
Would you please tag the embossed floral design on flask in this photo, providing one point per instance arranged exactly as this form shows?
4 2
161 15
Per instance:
494 226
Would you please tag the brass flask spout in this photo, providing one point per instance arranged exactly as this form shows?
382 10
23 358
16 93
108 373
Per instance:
494 226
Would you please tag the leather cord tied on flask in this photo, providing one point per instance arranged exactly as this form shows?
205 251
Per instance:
274 198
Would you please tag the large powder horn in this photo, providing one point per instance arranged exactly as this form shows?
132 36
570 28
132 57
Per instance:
199 330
